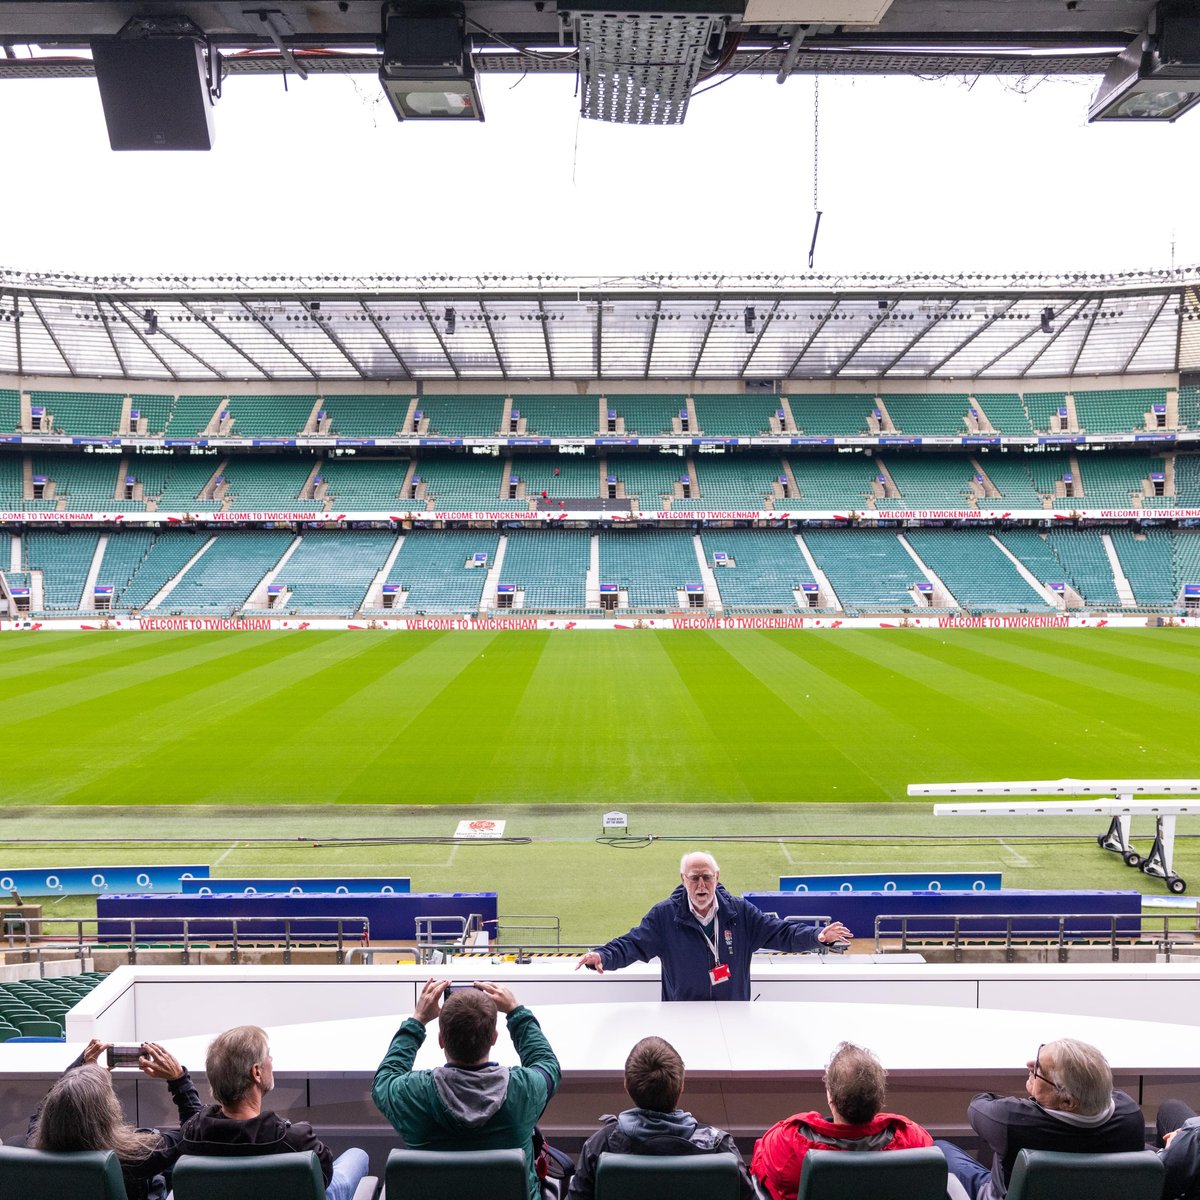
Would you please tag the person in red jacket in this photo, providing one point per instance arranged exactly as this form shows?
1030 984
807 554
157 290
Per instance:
855 1087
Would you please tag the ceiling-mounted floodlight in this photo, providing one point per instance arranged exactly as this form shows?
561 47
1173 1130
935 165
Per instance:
451 320
639 68
1157 76
748 318
427 70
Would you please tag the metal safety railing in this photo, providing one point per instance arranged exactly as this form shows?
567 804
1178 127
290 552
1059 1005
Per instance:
1058 931
132 935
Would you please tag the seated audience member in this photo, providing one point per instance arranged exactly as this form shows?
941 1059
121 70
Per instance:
1071 1107
654 1082
856 1091
240 1074
1179 1139
470 1103
82 1112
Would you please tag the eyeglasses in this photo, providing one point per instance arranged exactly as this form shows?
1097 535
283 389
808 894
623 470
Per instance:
1036 1069
700 878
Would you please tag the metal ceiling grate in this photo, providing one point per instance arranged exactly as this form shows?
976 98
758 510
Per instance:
640 68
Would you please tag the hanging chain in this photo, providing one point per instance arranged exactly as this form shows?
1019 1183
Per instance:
816 136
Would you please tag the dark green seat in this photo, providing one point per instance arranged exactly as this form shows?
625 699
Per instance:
883 1175
41 1027
667 1177
443 1174
255 1177
81 1175
1052 1175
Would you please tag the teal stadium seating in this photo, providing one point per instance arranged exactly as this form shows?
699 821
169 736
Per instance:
82 483
927 481
82 413
462 416
1005 413
10 410
559 416
155 408
736 482
649 478
64 560
176 483
936 414
166 556
735 416
649 416
1113 479
575 482
366 416
270 416
365 484
828 481
1189 407
652 565
1081 552
768 569
1187 480
11 480
192 415
330 571
458 483
1185 558
977 572
430 568
869 570
1042 406
1117 411
1145 556
550 567
266 483
831 416
221 580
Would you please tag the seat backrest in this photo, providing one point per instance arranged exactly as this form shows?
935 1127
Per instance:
883 1175
81 1174
1054 1175
440 1174
257 1177
667 1177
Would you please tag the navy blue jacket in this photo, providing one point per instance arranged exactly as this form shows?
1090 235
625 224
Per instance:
670 933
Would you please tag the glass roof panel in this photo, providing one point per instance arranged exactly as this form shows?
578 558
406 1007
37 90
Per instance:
522 341
572 332
1157 352
81 335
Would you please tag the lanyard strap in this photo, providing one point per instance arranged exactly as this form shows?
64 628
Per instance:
713 941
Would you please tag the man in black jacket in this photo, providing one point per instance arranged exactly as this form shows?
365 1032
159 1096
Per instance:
1071 1107
240 1073
654 1081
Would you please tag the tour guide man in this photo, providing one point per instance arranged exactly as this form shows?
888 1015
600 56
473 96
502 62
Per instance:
704 937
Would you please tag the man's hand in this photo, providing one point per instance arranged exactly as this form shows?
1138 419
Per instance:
93 1050
159 1063
1167 1137
835 931
592 961
505 1000
429 1002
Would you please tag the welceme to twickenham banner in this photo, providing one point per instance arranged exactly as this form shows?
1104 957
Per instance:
554 516
183 623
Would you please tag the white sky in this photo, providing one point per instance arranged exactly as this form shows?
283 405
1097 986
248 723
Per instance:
915 176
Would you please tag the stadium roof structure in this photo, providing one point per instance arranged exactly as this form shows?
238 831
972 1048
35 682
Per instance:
755 329
777 37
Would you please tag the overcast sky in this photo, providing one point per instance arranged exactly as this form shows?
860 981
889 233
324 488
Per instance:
915 176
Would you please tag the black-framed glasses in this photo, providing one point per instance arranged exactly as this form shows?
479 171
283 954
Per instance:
1036 1069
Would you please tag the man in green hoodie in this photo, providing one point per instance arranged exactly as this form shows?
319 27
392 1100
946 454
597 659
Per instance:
470 1103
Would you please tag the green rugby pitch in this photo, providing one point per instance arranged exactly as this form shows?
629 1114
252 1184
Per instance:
594 718
262 754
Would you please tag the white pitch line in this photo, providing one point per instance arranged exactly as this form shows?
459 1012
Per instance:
1019 859
224 856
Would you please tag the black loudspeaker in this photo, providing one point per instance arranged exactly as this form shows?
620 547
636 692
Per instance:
155 93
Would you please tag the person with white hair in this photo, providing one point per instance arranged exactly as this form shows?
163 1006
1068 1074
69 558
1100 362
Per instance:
704 937
1070 1106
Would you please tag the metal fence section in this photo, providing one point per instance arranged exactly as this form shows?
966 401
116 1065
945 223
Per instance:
1162 931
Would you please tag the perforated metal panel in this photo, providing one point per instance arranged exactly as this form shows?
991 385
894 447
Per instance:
640 68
